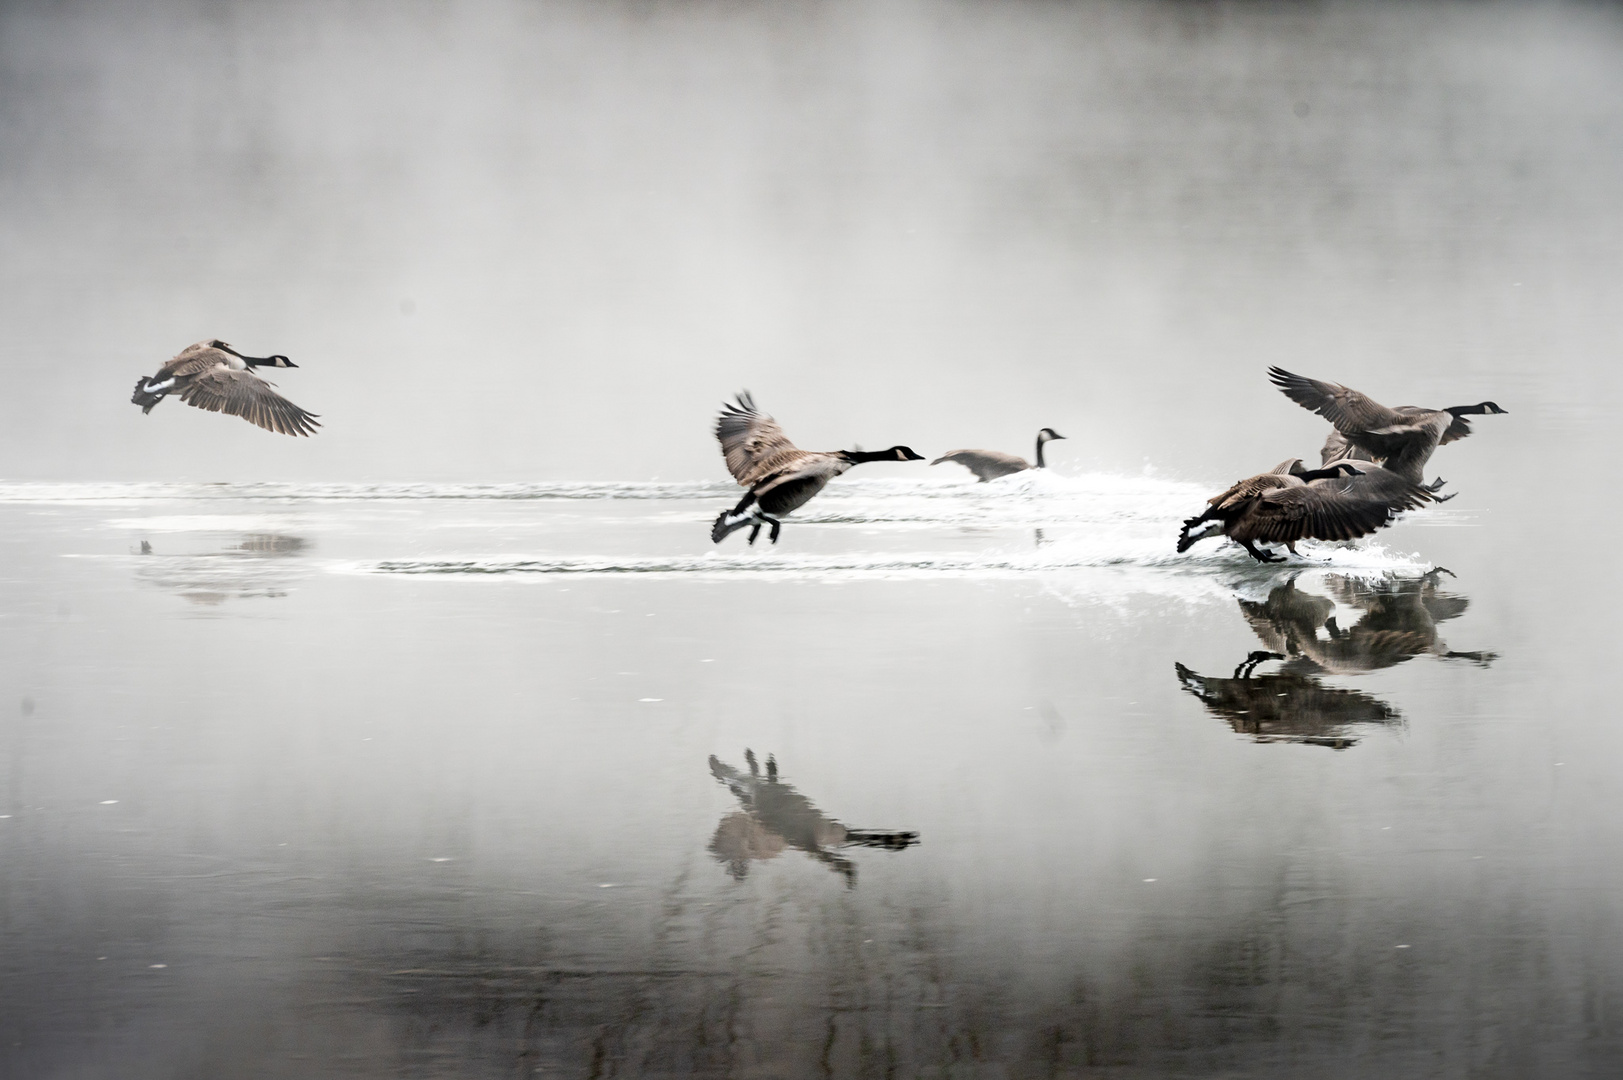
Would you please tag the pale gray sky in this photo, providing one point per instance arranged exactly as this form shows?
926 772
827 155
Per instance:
514 240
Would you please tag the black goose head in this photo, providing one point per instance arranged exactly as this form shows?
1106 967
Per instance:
268 361
904 453
1048 434
1486 408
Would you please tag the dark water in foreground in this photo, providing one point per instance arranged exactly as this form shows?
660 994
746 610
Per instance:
435 782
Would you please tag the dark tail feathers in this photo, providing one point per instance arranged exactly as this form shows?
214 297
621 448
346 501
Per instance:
721 530
142 397
1185 541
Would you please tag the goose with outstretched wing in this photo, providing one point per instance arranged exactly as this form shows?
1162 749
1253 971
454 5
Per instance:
1401 439
212 375
780 476
1343 501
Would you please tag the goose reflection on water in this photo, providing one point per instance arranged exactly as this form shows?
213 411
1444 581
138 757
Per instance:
1287 706
251 565
1399 621
776 816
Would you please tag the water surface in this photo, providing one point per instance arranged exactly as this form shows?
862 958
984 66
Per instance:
959 779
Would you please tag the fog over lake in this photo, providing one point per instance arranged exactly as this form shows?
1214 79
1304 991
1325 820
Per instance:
446 743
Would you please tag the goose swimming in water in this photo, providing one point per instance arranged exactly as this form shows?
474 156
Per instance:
781 476
1401 439
212 375
991 464
1343 501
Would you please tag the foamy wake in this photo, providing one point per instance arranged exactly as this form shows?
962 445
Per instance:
1035 523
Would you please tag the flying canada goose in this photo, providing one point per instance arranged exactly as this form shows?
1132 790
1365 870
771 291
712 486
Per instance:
991 464
781 476
1346 500
212 375
1401 439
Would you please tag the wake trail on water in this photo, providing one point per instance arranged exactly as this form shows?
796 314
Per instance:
1036 522
1075 522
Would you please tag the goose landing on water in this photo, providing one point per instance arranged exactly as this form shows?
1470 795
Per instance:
1344 501
781 476
212 375
991 464
1402 439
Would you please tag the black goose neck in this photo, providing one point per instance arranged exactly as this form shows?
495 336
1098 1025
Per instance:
857 457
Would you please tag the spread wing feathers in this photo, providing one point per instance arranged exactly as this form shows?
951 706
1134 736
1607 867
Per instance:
1252 486
1337 447
1340 509
1459 429
1347 409
193 360
243 394
752 442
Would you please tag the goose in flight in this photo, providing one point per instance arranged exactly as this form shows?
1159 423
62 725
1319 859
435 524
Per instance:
212 375
1343 501
780 476
991 464
1401 439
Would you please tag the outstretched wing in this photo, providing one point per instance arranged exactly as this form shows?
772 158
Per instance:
1347 409
241 393
752 442
1253 486
193 360
1343 508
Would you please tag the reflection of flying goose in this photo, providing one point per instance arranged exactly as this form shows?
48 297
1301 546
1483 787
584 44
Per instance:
776 816
990 464
1399 622
1402 439
256 565
781 476
212 375
1287 707
1347 500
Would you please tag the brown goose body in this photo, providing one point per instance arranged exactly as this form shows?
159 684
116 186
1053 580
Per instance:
991 464
212 375
1401 439
1344 501
780 476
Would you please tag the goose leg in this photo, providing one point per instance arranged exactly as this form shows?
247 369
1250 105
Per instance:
1250 663
777 526
1260 556
756 531
1444 498
1436 485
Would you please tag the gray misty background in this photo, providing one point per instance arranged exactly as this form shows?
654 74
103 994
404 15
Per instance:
540 240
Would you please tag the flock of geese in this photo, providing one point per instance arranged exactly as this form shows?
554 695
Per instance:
1370 470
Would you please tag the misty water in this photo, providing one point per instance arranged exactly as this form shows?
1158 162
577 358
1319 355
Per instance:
959 779
445 744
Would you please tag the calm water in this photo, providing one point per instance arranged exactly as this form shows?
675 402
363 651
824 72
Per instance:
959 780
